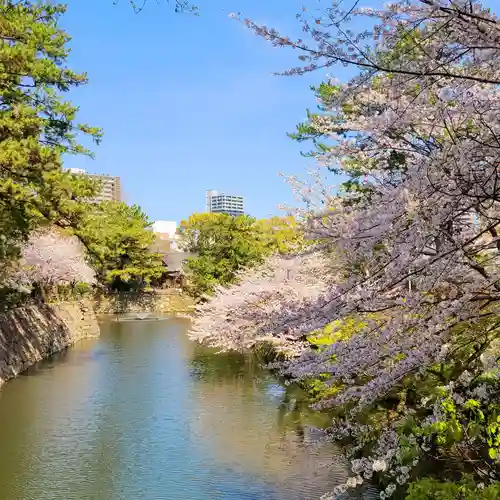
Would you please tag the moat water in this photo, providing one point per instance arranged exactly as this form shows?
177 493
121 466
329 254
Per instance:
142 413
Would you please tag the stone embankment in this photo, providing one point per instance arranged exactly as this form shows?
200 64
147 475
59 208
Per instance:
170 301
31 333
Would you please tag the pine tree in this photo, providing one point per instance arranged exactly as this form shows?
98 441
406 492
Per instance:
37 126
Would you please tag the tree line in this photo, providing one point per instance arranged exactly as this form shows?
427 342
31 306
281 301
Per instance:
223 246
49 229
51 233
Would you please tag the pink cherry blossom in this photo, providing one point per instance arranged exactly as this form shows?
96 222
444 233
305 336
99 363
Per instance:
53 258
420 249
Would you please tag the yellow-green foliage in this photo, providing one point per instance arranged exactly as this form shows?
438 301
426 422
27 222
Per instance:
471 418
340 330
337 331
224 245
280 234
318 388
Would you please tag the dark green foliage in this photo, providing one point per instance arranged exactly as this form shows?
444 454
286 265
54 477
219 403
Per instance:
431 489
36 125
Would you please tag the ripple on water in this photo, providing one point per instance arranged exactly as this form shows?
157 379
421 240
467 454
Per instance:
142 413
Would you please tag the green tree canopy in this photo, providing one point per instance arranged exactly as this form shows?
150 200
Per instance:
118 241
280 234
224 245
37 126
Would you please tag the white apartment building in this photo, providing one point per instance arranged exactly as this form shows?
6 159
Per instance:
223 203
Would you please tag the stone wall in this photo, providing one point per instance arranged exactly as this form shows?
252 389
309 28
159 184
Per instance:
160 302
29 334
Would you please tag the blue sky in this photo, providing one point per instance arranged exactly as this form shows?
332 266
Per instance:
189 103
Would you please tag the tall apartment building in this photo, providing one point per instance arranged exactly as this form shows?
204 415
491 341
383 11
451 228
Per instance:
224 204
111 187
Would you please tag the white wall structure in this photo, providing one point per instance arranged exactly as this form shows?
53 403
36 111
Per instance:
165 227
77 170
211 193
167 231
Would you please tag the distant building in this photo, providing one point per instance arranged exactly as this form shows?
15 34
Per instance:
111 186
221 203
167 239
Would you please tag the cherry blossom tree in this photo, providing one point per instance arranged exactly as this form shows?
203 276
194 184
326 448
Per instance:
239 317
418 247
53 258
456 39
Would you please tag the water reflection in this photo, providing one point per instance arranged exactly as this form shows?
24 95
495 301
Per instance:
142 413
250 423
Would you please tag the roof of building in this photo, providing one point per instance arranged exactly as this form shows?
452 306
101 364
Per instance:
175 260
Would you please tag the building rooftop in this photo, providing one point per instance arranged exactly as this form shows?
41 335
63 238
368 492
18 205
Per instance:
175 260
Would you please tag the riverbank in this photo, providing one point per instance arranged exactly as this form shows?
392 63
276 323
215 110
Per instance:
31 333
